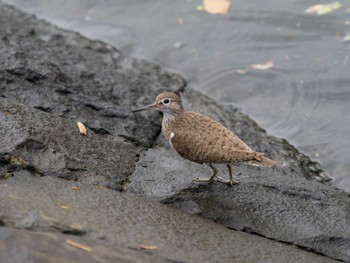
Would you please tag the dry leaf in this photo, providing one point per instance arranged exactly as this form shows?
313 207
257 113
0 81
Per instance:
216 6
78 245
313 9
148 247
75 188
82 128
323 9
267 65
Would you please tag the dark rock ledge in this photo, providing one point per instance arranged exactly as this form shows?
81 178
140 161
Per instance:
51 78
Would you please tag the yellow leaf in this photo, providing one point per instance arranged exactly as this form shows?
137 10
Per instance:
149 247
323 9
200 8
78 245
265 66
216 6
313 9
82 128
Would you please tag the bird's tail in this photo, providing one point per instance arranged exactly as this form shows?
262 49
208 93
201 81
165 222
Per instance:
263 161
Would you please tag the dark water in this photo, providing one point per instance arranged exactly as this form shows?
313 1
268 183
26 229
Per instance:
304 98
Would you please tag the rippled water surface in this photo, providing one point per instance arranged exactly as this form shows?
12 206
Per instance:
304 97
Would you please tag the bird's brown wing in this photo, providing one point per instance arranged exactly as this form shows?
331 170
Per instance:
203 140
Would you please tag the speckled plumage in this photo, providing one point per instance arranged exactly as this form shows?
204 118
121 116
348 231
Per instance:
200 139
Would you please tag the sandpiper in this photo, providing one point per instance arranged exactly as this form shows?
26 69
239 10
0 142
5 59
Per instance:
200 139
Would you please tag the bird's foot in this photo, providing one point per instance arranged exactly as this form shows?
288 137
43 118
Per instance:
206 180
216 179
227 181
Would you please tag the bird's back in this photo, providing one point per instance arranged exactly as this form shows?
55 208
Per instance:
200 139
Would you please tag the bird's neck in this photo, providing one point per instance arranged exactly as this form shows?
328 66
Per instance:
169 117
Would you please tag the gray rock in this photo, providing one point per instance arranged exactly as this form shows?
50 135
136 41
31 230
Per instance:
65 74
17 246
293 210
128 221
50 145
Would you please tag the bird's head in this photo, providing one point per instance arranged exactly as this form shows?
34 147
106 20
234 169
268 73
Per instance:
167 102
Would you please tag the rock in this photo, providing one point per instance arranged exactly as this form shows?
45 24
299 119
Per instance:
50 145
18 246
67 75
96 216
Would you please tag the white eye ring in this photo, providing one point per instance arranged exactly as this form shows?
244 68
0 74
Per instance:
166 101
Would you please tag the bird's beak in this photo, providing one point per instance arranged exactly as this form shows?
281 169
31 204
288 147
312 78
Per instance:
147 107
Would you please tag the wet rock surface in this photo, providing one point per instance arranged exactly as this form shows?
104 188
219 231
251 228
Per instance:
50 79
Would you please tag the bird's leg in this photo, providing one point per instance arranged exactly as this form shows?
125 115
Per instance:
212 178
232 180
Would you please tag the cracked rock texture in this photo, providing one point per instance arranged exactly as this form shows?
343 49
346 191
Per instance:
50 79
50 145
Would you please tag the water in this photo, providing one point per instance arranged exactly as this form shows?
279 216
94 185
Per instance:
304 98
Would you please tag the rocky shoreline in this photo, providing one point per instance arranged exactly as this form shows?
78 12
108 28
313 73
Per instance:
120 189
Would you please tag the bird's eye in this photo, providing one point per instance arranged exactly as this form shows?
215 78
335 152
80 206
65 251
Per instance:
166 101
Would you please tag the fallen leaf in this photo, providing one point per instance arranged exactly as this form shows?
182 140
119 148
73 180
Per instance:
200 8
75 188
265 66
347 38
313 9
148 247
78 245
82 128
216 6
323 9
